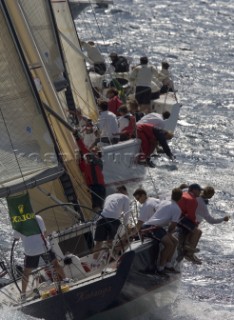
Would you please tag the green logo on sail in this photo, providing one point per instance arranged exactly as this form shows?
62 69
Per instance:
22 216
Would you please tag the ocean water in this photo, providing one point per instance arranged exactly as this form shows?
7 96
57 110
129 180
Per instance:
197 39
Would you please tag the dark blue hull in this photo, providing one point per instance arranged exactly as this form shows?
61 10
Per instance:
134 278
81 302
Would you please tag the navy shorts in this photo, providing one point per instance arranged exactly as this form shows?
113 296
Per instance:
106 229
143 95
32 262
187 224
157 234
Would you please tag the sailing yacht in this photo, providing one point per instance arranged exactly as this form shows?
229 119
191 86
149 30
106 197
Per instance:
38 160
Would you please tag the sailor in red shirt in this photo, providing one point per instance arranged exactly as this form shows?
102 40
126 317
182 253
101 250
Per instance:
91 167
189 234
188 202
150 136
114 101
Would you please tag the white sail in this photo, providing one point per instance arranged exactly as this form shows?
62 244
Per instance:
27 155
64 140
75 62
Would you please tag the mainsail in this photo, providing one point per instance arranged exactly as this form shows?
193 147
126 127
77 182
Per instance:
27 155
64 140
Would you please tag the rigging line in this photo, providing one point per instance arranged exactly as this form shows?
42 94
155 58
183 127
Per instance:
134 221
8 295
90 25
95 18
74 47
56 200
78 94
5 265
119 29
4 258
13 150
85 187
152 181
84 20
11 264
62 205
63 101
90 30
87 28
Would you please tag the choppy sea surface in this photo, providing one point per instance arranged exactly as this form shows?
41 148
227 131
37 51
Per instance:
197 39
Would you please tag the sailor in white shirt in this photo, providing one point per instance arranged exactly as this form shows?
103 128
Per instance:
148 206
116 205
167 214
142 76
36 246
165 78
107 124
157 119
202 211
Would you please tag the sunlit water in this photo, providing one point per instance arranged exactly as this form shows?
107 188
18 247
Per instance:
197 39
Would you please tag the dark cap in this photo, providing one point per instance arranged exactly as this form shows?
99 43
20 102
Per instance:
143 59
121 189
195 186
113 54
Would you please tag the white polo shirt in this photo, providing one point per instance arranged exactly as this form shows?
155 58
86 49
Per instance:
116 204
148 208
153 118
202 212
168 211
142 75
34 245
108 124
